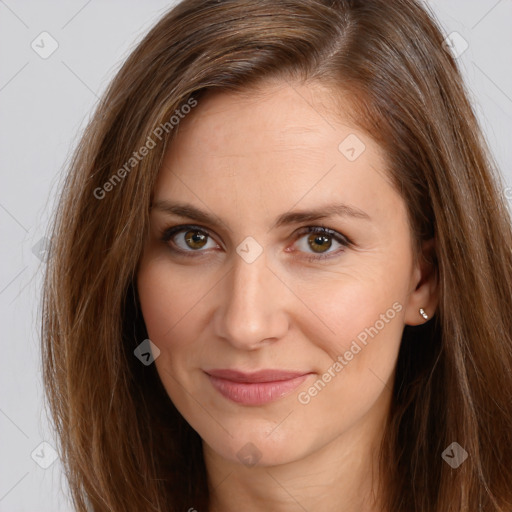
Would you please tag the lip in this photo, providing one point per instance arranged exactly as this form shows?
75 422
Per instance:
255 388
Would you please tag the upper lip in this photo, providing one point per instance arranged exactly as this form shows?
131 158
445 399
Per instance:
267 375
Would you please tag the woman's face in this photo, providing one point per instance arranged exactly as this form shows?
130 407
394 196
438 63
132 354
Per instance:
244 287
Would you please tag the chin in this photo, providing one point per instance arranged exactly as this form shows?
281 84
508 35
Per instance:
253 448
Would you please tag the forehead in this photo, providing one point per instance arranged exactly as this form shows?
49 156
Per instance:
301 120
284 143
277 108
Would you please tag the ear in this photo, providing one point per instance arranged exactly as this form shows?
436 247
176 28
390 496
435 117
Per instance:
424 285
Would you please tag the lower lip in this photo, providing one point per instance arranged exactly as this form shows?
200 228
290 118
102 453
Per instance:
256 393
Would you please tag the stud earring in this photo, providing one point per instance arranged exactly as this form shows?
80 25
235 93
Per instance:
423 314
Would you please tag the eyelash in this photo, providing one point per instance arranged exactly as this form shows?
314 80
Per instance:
168 233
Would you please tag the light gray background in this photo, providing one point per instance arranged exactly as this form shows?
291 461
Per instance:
45 103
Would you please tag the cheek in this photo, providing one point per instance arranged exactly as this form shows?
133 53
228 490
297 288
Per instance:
353 306
154 296
169 298
362 313
368 323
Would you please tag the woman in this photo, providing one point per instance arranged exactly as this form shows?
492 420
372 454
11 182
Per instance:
207 347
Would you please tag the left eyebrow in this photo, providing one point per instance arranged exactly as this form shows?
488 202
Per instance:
293 217
329 210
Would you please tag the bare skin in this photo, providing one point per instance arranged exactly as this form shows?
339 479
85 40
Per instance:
245 160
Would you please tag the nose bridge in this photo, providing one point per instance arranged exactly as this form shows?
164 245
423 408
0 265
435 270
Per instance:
252 310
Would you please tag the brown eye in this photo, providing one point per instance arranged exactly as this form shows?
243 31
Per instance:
188 239
319 243
196 239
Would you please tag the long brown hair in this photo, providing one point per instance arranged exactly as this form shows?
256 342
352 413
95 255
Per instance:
123 444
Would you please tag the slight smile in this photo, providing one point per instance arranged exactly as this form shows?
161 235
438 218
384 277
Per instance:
255 388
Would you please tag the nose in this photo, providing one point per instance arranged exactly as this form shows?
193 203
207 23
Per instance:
252 310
